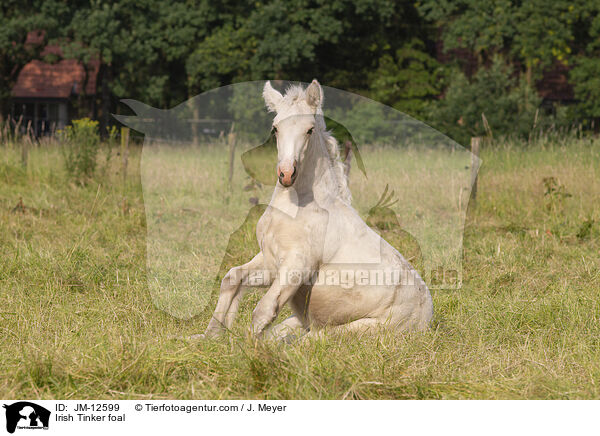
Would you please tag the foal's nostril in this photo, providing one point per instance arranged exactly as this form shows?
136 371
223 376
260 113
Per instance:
287 174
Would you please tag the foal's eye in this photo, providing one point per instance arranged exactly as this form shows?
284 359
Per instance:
309 132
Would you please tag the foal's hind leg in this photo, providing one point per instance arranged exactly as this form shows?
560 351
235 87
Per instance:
363 325
286 329
231 293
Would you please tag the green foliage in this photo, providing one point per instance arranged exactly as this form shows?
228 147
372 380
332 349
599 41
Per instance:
81 143
147 60
17 18
585 230
480 26
586 79
508 104
533 36
555 193
532 33
407 81
163 52
544 32
338 41
585 75
218 59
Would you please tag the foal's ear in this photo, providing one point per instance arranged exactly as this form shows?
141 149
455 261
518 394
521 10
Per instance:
314 94
272 97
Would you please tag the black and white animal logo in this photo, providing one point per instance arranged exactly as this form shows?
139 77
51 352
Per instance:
26 415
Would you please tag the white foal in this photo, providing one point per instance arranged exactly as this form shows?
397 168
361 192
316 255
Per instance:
316 253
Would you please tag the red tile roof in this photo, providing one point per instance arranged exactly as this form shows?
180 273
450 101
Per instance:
35 37
38 79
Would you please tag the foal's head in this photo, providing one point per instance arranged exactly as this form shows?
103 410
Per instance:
298 117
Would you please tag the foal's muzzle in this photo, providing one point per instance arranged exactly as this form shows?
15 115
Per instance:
287 174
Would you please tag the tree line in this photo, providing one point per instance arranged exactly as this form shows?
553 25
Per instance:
495 52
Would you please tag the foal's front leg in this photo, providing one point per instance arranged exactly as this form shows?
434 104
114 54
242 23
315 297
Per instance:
231 290
289 278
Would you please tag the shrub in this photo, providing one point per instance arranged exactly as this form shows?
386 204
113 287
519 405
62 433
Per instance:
510 105
81 143
408 80
585 76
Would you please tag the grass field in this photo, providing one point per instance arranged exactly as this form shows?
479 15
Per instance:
77 320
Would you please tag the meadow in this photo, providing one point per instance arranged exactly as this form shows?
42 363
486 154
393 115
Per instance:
78 321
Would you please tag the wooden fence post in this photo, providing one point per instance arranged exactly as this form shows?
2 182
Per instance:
124 150
475 143
195 122
125 158
231 142
25 143
24 152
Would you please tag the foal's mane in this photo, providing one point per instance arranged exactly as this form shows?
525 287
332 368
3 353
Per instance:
292 95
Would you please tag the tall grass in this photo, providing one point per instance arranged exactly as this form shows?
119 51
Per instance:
77 319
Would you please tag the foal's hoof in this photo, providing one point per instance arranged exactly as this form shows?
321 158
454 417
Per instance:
208 334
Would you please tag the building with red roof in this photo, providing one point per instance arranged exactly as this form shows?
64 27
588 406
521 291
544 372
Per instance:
49 94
